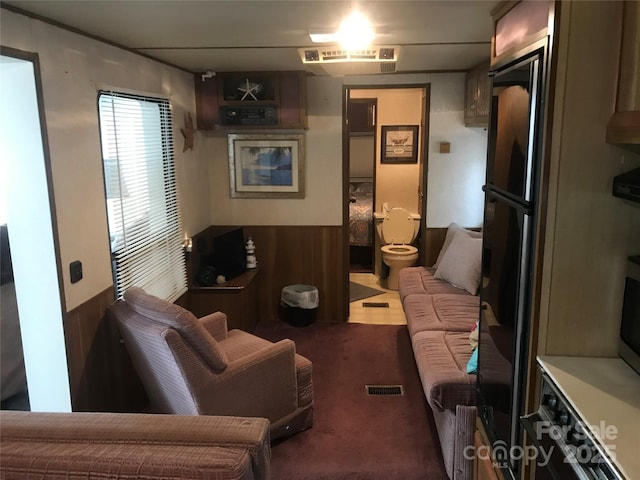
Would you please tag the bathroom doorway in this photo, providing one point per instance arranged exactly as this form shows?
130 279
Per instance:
398 184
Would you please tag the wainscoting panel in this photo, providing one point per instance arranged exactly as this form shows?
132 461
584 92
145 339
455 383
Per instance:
100 372
434 241
289 255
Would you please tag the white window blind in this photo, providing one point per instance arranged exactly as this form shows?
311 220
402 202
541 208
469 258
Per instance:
142 201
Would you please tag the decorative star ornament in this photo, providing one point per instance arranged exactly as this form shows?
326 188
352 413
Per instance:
250 89
188 133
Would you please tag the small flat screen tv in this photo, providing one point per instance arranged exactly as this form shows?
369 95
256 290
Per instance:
629 349
229 254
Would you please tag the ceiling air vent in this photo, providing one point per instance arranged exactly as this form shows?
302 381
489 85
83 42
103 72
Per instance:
335 60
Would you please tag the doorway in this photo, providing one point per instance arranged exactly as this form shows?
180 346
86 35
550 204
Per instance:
28 211
402 184
361 121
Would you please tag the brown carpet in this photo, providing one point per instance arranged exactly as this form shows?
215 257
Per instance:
356 436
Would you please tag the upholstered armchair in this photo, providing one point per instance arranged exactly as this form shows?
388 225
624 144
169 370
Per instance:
192 366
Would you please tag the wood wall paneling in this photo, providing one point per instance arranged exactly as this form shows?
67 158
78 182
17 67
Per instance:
434 241
289 255
310 255
101 376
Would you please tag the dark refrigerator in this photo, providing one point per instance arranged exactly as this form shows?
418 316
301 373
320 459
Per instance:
510 218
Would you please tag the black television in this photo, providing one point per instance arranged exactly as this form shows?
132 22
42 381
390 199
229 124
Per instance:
228 253
629 346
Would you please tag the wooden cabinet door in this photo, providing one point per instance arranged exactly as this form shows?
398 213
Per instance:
476 99
361 114
244 92
207 116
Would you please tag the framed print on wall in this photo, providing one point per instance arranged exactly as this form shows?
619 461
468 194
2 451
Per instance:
399 144
266 165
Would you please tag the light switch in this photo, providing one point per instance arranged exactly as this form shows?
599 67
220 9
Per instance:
75 270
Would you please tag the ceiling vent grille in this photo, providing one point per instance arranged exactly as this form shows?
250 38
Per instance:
376 59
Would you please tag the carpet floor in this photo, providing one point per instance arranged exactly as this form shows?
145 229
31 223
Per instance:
356 436
358 291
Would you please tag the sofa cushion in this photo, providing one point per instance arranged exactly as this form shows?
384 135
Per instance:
181 320
451 312
420 280
442 359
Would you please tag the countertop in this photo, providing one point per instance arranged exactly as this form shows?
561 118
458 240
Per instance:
605 392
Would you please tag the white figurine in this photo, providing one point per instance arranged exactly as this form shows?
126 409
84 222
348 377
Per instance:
251 254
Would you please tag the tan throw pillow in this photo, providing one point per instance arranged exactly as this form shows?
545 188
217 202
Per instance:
451 230
462 262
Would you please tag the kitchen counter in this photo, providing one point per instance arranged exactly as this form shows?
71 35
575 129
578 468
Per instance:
605 392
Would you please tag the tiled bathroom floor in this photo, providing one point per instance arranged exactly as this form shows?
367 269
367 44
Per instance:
394 315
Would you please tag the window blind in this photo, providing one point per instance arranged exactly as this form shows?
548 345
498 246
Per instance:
142 202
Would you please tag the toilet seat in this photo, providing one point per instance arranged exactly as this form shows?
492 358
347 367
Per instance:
399 250
398 227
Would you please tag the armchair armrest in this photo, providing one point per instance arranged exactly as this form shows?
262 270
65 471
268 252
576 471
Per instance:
216 324
267 379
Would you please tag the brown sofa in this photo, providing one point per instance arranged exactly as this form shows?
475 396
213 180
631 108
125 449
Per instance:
132 446
440 318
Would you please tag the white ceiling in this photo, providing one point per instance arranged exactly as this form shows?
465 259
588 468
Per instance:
242 35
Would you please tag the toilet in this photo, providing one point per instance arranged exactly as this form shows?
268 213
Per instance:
396 229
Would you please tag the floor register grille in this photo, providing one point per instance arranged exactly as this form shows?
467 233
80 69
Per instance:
384 390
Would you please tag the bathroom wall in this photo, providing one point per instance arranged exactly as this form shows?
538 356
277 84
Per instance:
396 184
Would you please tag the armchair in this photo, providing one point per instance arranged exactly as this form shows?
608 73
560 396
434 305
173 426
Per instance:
191 366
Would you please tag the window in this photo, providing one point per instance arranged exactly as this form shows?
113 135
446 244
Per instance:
142 202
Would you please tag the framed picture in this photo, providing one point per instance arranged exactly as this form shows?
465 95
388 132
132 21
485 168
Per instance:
266 165
399 144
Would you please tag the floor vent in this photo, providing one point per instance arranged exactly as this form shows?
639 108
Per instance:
384 390
375 304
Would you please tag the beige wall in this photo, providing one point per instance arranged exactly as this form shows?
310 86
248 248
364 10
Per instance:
74 68
322 204
589 233
454 180
461 172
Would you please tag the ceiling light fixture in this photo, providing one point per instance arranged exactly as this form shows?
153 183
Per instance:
355 33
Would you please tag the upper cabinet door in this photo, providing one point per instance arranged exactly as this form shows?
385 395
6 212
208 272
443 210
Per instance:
518 25
361 113
476 101
269 100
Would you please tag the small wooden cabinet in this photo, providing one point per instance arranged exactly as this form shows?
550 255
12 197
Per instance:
477 94
237 298
251 100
